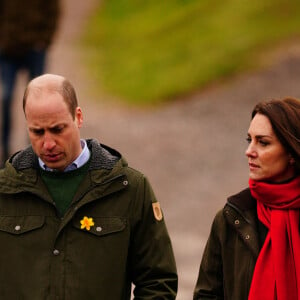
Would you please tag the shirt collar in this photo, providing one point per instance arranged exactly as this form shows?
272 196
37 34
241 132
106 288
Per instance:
77 163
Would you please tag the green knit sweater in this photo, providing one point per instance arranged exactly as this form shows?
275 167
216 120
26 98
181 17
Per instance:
62 186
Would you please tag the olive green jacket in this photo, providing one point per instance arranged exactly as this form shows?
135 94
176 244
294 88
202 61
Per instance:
44 256
231 251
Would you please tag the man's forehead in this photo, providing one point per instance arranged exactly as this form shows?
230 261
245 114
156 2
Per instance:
46 125
45 99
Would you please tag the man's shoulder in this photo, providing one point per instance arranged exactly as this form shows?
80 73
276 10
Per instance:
24 159
105 157
102 156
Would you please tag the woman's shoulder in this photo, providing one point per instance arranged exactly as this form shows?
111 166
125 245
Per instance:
242 200
241 204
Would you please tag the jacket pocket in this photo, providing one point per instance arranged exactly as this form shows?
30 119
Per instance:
102 225
20 224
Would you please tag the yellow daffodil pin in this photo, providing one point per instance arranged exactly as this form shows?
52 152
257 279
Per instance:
86 223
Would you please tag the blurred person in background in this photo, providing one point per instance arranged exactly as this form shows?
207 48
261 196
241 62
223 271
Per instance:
27 29
253 248
76 222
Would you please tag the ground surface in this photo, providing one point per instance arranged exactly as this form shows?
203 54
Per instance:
192 150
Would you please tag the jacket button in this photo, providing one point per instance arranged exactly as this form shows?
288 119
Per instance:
56 252
98 229
17 228
125 182
237 222
247 236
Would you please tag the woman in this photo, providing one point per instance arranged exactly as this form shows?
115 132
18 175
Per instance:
253 251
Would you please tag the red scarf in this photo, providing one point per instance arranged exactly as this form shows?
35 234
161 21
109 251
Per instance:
277 270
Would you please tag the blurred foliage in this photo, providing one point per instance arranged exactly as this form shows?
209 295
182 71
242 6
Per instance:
151 51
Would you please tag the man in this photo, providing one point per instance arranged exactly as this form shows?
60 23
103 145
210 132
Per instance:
75 221
27 29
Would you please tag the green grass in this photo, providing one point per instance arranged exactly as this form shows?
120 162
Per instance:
152 51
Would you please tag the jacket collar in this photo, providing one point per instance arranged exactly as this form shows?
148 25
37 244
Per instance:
103 157
240 213
21 172
243 200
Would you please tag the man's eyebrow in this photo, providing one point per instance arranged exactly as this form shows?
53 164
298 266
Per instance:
36 129
57 125
49 127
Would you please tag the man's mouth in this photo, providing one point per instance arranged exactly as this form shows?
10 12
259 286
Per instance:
51 157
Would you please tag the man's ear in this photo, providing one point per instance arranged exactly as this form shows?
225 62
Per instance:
78 116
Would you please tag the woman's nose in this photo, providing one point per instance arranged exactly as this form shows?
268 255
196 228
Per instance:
250 151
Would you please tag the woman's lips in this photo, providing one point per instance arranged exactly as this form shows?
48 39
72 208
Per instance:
253 166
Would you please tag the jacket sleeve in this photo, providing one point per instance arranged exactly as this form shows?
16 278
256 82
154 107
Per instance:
152 262
210 279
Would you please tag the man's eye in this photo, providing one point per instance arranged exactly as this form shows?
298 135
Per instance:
248 139
38 131
57 130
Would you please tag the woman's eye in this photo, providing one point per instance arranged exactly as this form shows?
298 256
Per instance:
248 139
264 143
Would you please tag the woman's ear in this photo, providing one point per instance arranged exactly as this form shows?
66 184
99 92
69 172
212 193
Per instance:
292 160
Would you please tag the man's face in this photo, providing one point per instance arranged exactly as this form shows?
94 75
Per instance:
53 132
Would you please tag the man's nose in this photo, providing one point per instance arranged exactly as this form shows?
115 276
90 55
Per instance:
49 141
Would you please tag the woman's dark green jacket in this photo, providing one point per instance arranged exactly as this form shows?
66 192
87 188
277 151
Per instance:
44 256
231 251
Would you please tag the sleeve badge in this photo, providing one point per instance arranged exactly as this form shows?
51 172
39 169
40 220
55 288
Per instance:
157 211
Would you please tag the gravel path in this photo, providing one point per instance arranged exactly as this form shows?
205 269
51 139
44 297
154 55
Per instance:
192 150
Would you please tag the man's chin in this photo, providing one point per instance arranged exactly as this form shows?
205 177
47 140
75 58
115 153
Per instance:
54 161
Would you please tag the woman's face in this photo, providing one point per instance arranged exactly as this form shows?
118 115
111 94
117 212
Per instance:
268 160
